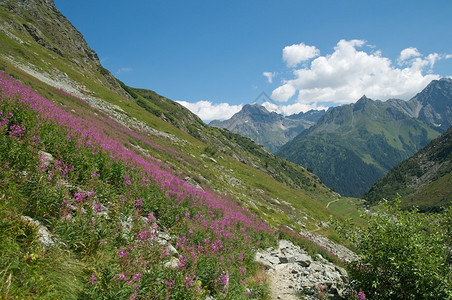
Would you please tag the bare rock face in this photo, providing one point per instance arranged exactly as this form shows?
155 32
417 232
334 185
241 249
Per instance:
293 272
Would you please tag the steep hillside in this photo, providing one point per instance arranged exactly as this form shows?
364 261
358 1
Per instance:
266 128
353 145
423 180
116 192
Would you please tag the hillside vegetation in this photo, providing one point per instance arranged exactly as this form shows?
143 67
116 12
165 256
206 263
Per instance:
424 180
113 191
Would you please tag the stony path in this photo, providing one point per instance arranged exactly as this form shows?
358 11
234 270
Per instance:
280 283
293 274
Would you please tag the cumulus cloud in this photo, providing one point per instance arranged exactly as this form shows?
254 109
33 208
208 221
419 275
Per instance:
297 53
408 53
349 72
269 76
208 111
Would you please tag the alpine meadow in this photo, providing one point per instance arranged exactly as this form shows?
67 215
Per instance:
109 190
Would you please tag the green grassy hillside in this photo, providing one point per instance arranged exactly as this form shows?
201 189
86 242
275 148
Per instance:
423 180
139 196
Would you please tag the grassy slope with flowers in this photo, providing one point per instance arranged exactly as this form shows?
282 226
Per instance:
86 195
111 187
247 173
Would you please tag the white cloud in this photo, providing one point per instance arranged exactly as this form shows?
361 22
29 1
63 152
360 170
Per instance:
291 109
208 111
297 53
408 53
270 76
124 70
346 74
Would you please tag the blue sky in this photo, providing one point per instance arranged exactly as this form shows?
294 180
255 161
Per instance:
215 56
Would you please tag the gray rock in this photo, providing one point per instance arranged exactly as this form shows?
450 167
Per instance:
46 158
283 260
341 270
45 237
303 260
172 250
172 263
273 259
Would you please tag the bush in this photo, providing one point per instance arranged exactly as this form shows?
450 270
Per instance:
405 254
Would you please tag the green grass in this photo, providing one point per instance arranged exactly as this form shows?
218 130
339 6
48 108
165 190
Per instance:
350 208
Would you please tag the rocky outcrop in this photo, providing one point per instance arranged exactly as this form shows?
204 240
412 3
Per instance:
292 272
44 236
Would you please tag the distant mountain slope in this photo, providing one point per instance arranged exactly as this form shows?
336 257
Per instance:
424 179
269 129
353 145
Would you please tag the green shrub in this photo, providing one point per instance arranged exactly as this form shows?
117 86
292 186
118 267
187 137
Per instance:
405 254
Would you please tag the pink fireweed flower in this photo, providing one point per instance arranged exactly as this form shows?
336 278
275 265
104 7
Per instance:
79 197
145 236
123 252
170 283
189 281
138 203
93 279
36 139
242 271
165 253
121 277
240 257
225 279
98 207
137 276
182 261
361 295
151 217
16 130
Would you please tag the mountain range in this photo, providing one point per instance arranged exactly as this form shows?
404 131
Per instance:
353 145
269 129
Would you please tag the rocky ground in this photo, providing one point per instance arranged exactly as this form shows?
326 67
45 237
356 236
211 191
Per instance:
293 274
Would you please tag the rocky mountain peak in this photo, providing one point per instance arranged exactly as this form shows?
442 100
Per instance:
254 109
435 102
362 103
268 128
